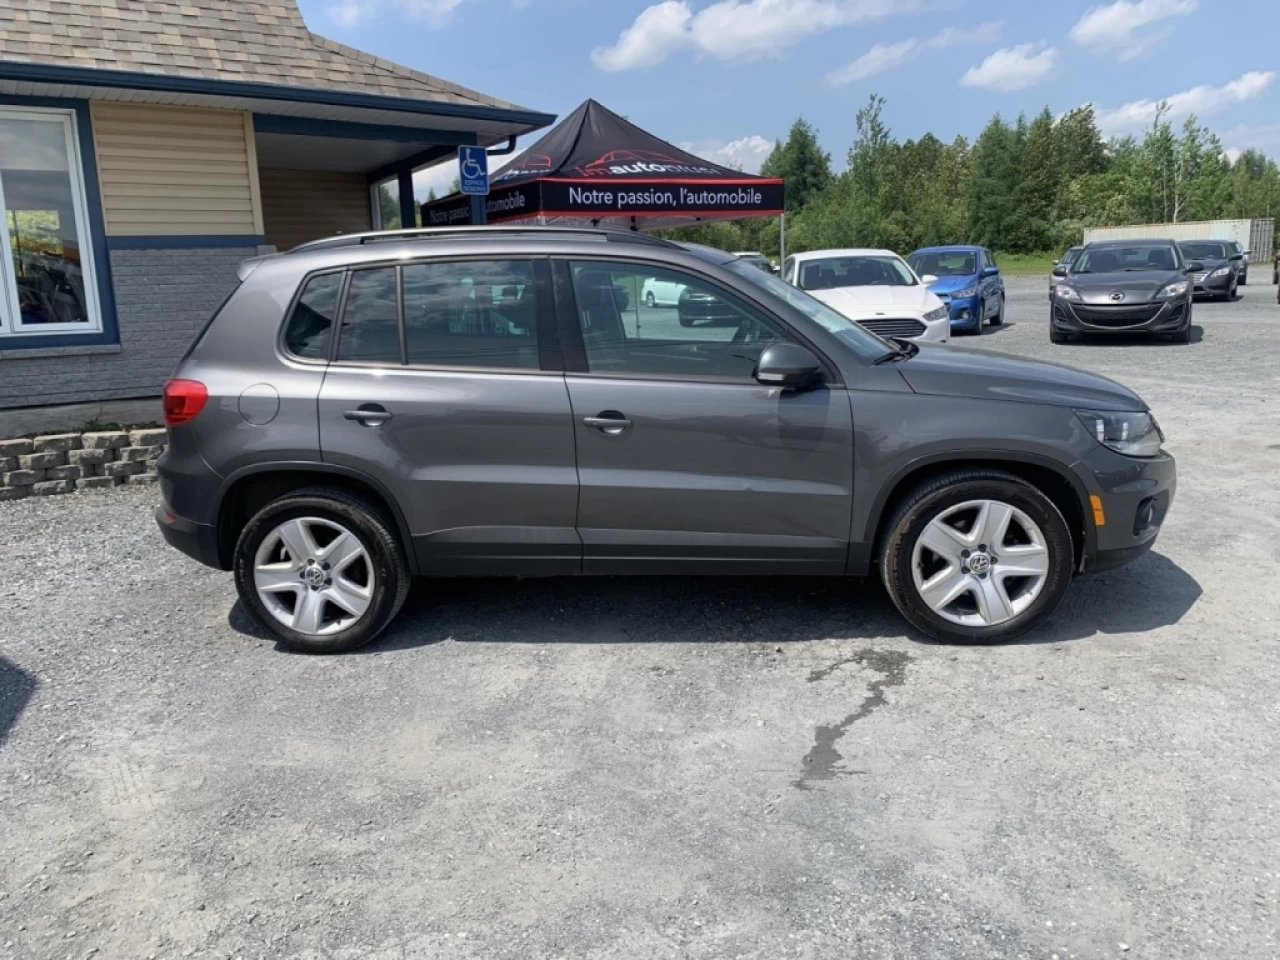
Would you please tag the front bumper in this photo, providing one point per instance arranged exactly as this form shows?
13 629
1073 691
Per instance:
966 312
1071 316
1134 495
1207 286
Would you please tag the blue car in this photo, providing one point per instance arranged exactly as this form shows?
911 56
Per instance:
967 280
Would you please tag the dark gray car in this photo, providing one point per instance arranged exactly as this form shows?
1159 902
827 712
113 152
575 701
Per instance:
476 402
1123 286
1220 265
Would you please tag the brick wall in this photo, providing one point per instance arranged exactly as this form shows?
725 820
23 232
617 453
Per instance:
163 298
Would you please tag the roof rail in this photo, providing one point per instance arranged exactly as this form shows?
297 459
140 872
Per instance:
432 233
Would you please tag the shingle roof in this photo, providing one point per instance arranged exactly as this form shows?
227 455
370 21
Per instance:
260 41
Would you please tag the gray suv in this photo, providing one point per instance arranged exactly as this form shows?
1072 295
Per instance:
368 408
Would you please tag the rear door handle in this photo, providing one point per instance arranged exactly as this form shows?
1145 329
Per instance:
369 415
612 424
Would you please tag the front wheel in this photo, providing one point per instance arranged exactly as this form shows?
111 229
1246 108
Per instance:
977 556
998 318
321 570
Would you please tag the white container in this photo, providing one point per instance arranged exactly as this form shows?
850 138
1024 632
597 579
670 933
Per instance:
1256 236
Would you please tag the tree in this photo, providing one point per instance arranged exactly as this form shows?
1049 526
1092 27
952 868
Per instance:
802 163
993 185
1039 182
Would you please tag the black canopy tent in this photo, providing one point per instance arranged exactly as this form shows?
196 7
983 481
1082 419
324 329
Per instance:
596 166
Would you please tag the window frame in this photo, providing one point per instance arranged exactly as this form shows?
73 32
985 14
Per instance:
574 345
12 330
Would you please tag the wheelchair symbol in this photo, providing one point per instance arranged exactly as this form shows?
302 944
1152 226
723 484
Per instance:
471 169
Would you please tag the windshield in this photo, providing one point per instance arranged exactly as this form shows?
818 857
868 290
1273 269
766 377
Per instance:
1204 251
829 273
860 340
1130 257
1069 257
951 263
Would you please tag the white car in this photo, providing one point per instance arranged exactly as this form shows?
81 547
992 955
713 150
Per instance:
876 288
661 293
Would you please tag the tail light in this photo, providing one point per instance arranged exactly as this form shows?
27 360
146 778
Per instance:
183 399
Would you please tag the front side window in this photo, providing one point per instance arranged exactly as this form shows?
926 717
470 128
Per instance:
830 273
471 314
47 282
644 320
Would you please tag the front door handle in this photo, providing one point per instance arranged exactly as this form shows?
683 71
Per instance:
368 415
610 422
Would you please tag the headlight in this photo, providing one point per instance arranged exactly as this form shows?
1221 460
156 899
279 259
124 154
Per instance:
1063 292
1175 289
966 293
938 313
1221 272
1133 434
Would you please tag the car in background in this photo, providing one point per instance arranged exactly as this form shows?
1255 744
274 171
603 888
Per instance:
658 292
876 288
967 280
1220 276
1124 286
1236 247
757 260
1064 261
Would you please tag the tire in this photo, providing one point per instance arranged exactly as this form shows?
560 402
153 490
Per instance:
998 319
650 300
379 574
1024 602
1056 336
686 321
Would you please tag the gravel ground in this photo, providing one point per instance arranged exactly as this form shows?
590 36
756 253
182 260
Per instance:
666 768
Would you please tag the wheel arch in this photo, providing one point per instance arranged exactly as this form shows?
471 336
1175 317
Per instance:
249 489
1050 477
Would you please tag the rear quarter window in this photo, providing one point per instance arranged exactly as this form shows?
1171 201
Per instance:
310 326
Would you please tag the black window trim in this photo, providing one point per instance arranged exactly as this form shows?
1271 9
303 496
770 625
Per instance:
575 350
282 347
549 363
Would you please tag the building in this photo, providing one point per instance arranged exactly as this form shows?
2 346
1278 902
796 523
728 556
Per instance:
148 146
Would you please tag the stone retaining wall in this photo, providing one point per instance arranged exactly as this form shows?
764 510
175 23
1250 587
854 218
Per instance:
65 462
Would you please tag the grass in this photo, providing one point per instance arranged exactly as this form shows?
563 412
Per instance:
1025 264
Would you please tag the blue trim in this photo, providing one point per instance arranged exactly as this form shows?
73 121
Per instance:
132 80
308 127
110 332
185 241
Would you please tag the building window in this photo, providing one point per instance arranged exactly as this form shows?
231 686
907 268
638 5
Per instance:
47 282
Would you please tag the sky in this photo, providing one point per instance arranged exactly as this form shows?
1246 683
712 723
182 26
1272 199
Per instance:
726 78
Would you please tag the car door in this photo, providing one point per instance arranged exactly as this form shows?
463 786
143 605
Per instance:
996 282
446 389
685 462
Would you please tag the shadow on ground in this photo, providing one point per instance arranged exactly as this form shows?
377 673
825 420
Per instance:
1153 592
17 687
1133 339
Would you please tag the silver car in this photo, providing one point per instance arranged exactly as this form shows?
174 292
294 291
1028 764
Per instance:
468 402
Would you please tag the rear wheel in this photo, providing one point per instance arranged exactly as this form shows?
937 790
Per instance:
977 556
321 570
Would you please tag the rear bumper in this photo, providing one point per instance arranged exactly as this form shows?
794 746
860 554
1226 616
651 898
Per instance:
1135 496
198 541
1168 317
1211 286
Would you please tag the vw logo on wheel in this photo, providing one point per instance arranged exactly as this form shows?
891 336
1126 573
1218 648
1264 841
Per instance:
1117 296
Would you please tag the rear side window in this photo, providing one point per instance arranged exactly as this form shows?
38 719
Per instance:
370 321
311 324
478 313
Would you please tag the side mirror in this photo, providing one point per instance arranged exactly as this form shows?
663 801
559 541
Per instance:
990 271
928 278
788 365
1195 266
1237 256
1059 270
1246 253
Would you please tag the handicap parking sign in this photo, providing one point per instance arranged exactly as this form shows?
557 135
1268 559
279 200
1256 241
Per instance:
473 170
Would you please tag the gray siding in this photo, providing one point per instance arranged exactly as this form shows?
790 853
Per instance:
163 298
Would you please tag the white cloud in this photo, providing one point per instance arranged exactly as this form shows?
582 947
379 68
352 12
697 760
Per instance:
745 154
1201 100
1246 136
734 29
1114 27
887 56
1232 153
1013 68
354 13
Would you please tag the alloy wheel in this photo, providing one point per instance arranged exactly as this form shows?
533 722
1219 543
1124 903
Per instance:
314 576
980 563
